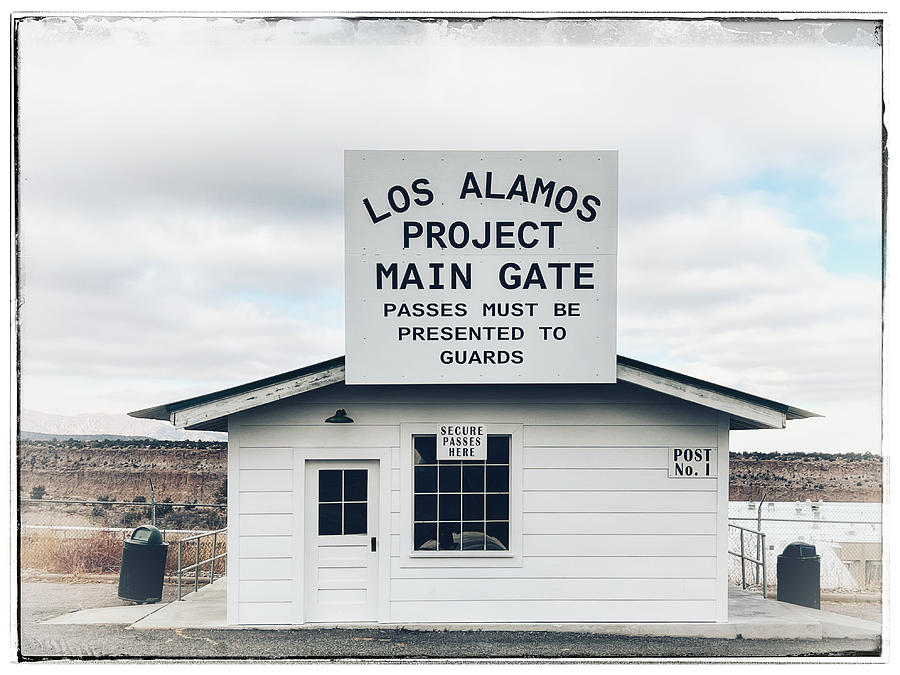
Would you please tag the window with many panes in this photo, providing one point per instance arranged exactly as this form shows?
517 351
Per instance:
460 505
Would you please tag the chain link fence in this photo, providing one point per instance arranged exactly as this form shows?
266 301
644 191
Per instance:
85 537
847 536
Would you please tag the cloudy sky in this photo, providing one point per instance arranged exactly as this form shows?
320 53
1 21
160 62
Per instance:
181 225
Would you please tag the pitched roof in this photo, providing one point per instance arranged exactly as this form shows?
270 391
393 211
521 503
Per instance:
210 412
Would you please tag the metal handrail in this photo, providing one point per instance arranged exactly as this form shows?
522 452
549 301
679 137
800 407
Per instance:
197 562
761 562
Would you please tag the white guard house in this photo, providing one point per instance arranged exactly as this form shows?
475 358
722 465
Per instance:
552 503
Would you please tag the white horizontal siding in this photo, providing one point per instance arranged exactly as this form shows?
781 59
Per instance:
265 613
265 480
595 458
612 479
553 611
266 568
329 437
619 544
592 435
267 524
619 523
268 590
558 589
267 502
583 567
639 500
256 546
266 458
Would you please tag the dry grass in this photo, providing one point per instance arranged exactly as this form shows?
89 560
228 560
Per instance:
100 553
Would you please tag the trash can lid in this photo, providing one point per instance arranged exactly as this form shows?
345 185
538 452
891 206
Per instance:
798 549
147 534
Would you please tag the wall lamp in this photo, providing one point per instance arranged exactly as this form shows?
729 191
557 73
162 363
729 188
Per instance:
339 417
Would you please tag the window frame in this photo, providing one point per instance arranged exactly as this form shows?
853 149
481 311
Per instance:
460 558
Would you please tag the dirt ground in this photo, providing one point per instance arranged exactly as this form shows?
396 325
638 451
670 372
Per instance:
870 611
41 600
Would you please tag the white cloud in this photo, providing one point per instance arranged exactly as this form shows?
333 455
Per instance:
182 180
733 293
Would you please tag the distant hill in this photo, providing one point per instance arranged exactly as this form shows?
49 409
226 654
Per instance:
35 436
190 470
798 476
44 426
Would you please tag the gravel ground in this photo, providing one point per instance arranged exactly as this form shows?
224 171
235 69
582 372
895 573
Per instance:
43 600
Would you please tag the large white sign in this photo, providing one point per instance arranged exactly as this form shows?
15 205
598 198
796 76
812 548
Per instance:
480 267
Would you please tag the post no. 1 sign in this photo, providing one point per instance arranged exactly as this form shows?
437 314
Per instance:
471 267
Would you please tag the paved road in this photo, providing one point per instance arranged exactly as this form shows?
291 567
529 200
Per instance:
44 600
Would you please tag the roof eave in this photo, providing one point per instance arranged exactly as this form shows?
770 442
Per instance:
210 412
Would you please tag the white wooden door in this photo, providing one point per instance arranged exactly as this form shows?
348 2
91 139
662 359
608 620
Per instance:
341 582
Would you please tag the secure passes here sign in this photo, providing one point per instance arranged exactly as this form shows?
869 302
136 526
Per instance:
480 267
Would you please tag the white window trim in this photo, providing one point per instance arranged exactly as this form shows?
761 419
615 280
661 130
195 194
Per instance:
441 559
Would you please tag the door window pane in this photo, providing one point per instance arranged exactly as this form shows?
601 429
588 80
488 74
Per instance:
355 518
329 485
329 519
355 485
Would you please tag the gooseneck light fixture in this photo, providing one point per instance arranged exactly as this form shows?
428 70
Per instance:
339 417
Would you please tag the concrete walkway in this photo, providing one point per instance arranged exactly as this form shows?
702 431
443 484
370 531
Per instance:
750 617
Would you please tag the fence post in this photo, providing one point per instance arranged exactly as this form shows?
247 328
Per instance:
152 504
758 529
212 571
743 563
763 536
197 566
179 569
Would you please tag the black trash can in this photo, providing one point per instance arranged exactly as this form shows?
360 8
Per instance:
799 573
143 566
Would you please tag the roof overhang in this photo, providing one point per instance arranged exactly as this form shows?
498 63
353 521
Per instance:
210 412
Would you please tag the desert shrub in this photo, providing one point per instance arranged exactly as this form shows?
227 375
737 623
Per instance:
163 507
38 492
139 498
220 496
98 554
